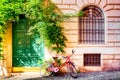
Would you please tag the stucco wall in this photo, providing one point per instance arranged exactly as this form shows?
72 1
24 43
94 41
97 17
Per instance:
7 52
110 51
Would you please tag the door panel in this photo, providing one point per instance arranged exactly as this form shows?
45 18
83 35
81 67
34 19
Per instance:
28 50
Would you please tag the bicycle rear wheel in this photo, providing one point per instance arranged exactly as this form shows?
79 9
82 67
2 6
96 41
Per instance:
73 71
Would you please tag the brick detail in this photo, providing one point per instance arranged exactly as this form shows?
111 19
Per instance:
117 45
67 11
78 63
114 26
86 1
114 1
91 1
77 57
110 32
63 6
74 7
117 7
110 44
117 32
109 7
80 3
58 1
70 25
102 3
110 19
71 44
117 56
97 1
71 31
114 38
73 19
72 38
108 57
69 1
117 20
113 13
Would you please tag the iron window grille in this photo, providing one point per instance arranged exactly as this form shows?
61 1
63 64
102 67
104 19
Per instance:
91 26
92 59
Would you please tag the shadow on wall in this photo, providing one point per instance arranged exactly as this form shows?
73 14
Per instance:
111 65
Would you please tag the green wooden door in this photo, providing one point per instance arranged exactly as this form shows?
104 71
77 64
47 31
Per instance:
28 50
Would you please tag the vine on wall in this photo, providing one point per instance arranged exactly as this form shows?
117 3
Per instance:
43 15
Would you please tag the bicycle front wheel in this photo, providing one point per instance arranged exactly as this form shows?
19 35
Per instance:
43 70
73 71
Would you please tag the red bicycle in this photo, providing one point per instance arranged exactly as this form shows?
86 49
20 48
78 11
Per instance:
50 68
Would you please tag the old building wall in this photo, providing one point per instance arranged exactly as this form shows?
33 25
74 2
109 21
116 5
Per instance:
110 51
112 60
6 67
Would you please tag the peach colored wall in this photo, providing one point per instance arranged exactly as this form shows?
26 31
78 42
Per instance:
110 51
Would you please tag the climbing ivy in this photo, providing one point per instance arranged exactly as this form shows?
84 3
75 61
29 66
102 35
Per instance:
43 15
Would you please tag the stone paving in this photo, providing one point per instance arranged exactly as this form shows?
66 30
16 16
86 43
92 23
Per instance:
115 75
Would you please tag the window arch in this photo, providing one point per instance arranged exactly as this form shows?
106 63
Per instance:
92 26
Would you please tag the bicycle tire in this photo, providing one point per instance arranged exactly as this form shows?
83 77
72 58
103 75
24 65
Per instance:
73 71
43 70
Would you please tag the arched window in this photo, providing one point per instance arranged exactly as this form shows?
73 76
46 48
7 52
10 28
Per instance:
91 26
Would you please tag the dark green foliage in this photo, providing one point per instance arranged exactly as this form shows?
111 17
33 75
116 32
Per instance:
81 13
0 39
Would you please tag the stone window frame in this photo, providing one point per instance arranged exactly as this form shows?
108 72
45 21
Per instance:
92 59
92 26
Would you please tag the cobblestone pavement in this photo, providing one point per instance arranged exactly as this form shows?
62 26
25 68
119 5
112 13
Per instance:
115 75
